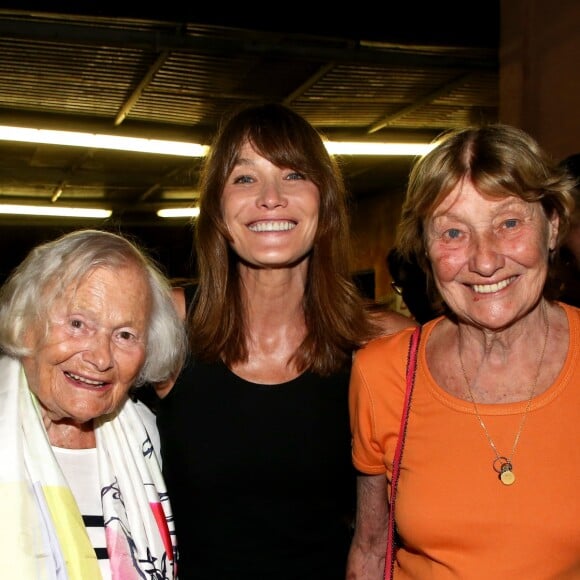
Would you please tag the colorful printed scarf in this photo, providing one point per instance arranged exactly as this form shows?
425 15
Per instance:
42 535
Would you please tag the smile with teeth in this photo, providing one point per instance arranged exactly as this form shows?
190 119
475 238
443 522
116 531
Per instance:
84 380
272 226
489 288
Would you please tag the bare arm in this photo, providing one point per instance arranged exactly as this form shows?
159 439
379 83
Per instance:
366 560
163 389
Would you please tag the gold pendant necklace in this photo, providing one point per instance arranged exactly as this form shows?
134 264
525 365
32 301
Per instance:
503 465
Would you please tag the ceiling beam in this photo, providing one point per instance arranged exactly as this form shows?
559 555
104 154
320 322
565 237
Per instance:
162 38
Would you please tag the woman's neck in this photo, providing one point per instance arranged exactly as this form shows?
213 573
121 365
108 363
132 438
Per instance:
70 435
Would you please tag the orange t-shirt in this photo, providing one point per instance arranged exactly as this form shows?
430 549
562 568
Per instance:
456 519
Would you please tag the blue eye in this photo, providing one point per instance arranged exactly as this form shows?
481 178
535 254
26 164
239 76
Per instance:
453 233
243 179
511 223
295 175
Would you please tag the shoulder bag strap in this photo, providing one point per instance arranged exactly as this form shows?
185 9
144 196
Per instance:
410 376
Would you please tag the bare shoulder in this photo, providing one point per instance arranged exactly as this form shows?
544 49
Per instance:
163 389
390 321
178 294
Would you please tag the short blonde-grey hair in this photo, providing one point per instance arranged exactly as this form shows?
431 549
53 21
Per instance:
500 160
50 268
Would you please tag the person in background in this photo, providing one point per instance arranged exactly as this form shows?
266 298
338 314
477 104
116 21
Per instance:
490 465
410 282
255 431
567 276
83 320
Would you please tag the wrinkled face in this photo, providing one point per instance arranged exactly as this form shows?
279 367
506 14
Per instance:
489 256
271 212
95 346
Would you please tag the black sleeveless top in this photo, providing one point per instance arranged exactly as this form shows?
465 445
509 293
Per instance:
260 477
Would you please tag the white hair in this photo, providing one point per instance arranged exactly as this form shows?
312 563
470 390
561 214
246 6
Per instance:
49 269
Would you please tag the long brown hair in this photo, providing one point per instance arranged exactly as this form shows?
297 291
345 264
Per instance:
333 307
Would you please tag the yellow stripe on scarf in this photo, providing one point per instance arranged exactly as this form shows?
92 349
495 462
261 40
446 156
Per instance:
79 555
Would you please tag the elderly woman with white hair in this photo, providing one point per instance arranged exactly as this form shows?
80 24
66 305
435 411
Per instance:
84 319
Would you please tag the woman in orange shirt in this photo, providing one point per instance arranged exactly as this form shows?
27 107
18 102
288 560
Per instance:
489 475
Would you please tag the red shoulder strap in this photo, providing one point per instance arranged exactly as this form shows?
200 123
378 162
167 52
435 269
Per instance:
410 376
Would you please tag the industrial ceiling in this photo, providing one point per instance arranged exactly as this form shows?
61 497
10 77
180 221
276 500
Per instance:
174 75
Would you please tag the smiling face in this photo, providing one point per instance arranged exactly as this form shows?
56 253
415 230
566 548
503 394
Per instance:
270 212
489 255
94 349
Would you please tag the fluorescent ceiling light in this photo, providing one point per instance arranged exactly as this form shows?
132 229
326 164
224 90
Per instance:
186 149
55 211
178 212
162 147
369 148
101 141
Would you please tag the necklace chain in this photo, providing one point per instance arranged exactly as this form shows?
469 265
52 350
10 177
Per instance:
503 465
